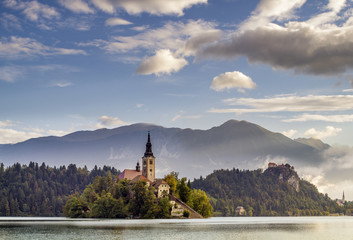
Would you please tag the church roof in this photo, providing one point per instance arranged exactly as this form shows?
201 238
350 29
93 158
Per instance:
129 174
158 182
139 178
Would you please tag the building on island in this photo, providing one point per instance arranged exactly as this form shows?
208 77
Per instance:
162 189
340 202
240 211
148 172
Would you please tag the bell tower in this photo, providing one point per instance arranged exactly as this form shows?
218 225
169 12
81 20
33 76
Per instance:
148 161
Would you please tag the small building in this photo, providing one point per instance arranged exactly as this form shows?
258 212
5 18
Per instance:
240 211
271 164
162 188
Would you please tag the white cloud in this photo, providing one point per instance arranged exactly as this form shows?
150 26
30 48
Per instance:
328 132
10 134
62 84
322 45
10 21
15 47
105 121
116 22
347 90
181 115
173 35
77 6
183 39
163 62
6 123
269 10
324 118
231 80
11 73
33 10
139 105
156 7
293 103
290 133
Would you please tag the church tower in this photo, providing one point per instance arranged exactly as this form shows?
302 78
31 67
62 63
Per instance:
343 198
148 161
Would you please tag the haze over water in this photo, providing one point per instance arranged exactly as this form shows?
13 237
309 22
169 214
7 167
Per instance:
213 228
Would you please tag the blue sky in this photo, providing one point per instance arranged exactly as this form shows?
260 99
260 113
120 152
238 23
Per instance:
69 65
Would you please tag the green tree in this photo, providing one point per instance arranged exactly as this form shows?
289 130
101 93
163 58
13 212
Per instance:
183 190
75 207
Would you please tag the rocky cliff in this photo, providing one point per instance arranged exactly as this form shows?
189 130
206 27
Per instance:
285 173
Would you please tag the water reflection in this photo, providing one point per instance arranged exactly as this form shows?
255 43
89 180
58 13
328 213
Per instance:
261 228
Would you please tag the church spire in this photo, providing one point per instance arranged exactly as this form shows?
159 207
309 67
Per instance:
343 198
149 152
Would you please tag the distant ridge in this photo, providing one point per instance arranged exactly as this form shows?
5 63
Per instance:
191 152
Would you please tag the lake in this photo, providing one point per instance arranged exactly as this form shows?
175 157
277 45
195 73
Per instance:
263 228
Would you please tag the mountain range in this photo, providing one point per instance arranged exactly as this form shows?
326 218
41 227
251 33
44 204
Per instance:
192 153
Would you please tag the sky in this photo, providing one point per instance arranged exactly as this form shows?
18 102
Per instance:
69 65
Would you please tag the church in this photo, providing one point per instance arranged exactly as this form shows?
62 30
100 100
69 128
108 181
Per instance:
148 172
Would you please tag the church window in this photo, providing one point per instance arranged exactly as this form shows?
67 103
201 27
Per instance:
144 162
150 169
151 162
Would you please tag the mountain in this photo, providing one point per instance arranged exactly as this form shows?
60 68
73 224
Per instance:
315 143
191 152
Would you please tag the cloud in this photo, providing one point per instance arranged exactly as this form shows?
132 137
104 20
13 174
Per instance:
176 36
181 39
116 22
140 105
156 7
269 10
10 22
16 47
181 115
319 47
9 134
11 73
328 132
290 133
292 103
324 118
62 84
105 121
163 62
231 80
77 6
6 123
334 175
33 10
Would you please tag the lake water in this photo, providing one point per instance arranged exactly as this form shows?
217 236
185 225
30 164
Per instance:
262 228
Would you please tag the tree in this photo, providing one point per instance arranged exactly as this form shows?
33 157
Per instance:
75 207
142 202
200 203
183 190
172 182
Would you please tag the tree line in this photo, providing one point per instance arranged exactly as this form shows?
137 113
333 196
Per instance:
264 195
40 190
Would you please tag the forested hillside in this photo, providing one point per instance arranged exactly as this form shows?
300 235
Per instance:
262 194
35 190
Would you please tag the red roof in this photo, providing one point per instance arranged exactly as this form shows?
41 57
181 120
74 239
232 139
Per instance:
140 177
129 174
